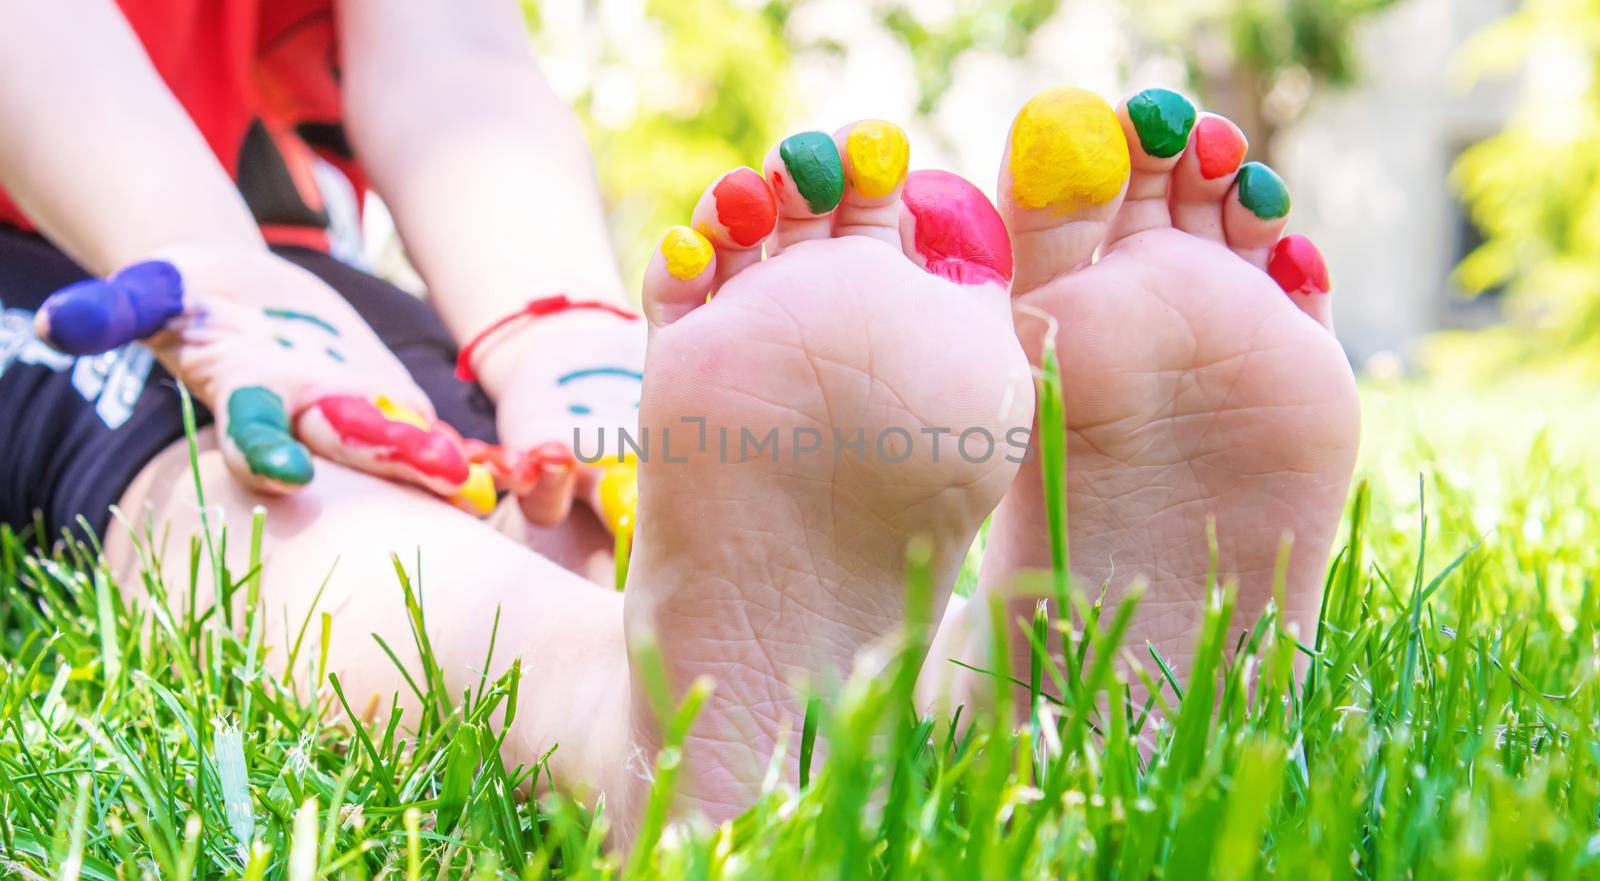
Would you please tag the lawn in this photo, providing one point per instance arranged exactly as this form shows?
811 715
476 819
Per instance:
1445 729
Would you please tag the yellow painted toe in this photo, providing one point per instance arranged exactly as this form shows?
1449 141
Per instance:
1067 152
688 252
619 494
879 153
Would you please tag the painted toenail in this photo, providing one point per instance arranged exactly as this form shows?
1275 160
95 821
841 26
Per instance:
688 253
745 206
1297 266
258 425
1067 152
1262 191
813 162
879 153
1162 119
1220 147
956 231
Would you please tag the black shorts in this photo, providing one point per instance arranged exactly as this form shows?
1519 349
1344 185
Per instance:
74 432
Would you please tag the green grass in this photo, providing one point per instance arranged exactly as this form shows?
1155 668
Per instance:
1446 728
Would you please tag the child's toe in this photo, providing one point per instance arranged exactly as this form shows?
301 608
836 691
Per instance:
735 214
1203 175
679 276
1156 123
1255 213
1065 171
949 228
875 155
1297 266
806 175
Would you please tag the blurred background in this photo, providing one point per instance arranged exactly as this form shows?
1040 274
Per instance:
1445 154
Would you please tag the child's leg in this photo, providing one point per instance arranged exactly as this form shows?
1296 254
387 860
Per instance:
755 570
342 530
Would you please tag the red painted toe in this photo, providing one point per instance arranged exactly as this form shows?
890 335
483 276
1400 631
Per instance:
745 206
1297 266
1220 146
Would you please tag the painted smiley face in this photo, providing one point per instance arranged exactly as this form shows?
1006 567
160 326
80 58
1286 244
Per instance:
302 330
601 389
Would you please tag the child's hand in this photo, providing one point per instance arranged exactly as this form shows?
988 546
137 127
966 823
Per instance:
286 366
576 386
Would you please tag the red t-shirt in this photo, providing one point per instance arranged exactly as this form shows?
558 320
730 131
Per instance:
260 80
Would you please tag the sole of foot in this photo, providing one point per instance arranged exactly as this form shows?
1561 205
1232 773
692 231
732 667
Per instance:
1202 380
803 414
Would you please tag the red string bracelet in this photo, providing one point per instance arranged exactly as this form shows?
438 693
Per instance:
538 308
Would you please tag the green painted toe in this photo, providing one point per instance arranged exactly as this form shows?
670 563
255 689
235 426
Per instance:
1262 191
813 162
1162 119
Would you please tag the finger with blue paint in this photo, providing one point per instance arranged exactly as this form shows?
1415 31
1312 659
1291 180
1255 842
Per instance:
98 315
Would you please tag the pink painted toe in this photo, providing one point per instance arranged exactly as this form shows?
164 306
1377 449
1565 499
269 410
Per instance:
950 228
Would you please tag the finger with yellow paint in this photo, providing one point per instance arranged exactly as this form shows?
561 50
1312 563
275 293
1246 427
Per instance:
477 496
876 155
1065 171
618 492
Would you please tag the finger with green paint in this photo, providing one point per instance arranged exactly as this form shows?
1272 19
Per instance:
806 174
257 433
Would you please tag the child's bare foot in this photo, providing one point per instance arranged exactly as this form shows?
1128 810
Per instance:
773 550
1195 388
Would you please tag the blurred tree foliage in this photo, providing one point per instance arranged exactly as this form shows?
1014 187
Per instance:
1260 62
709 86
1534 188
1004 26
1256 61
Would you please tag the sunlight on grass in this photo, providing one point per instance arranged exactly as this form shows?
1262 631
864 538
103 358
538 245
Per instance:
1445 728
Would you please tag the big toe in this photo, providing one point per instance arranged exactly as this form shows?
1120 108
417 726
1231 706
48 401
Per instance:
950 229
1065 172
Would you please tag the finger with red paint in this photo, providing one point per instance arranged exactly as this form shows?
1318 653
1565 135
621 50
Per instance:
735 215
287 368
